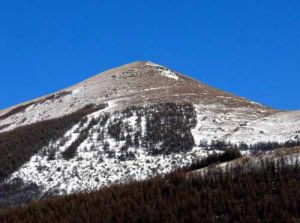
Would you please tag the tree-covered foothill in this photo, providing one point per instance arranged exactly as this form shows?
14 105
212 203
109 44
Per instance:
269 194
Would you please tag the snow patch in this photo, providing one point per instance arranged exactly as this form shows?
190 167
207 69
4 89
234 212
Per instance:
164 71
169 74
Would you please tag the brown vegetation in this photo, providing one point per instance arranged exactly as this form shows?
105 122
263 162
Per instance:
271 194
16 110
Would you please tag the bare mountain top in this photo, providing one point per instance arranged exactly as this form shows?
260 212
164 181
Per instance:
136 84
142 82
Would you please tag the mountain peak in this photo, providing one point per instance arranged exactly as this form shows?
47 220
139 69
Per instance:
140 63
137 67
134 84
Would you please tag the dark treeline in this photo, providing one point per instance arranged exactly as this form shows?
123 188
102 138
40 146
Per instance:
271 194
256 148
16 193
170 124
228 155
19 145
267 146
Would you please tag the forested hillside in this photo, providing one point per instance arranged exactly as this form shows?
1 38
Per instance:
270 194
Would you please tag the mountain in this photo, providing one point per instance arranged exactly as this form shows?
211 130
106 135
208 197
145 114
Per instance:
136 84
127 123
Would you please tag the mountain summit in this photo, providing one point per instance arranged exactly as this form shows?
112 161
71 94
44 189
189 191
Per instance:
137 84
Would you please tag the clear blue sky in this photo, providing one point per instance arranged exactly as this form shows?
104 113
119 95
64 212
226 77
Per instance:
250 48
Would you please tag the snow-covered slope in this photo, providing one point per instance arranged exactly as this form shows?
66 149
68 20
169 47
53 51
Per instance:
155 120
240 125
279 127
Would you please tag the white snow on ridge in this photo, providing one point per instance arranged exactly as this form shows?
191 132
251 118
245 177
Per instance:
215 122
243 126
